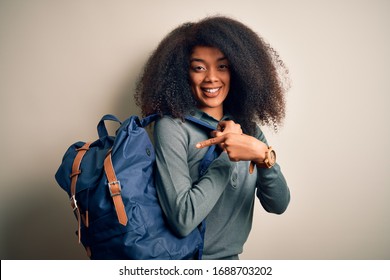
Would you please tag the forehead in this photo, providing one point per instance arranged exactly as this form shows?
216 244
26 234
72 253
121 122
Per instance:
204 52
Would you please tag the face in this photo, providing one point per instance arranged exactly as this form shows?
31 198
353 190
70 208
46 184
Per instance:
210 79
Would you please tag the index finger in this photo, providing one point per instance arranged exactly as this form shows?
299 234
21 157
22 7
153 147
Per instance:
210 142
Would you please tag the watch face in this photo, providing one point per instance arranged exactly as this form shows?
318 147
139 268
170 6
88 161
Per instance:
271 158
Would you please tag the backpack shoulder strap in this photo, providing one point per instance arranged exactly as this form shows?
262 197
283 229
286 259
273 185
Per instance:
198 121
149 119
211 153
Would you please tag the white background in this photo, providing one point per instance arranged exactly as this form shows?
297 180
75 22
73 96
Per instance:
63 64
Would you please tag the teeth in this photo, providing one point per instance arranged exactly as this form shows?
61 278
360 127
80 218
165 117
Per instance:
211 90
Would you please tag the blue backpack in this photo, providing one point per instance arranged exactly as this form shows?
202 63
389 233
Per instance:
110 183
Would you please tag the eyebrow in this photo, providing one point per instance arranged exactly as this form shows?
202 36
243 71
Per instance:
201 60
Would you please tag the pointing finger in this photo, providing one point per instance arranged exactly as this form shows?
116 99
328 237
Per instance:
210 142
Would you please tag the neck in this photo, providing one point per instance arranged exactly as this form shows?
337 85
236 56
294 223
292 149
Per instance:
216 113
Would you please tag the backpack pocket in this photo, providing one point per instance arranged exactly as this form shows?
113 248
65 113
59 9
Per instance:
106 238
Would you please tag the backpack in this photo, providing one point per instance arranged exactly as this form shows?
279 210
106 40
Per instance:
110 183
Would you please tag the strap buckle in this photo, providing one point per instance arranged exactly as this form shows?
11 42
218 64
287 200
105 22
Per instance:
73 202
114 191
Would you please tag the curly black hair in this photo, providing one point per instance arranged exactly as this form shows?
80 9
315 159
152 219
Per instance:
257 89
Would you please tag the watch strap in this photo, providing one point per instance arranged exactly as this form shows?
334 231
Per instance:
267 163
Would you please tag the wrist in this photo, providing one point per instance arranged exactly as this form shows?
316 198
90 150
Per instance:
268 160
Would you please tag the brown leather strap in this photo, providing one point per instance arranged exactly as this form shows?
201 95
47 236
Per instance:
85 218
75 174
115 190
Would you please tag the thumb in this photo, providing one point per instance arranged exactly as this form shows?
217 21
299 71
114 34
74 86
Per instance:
216 133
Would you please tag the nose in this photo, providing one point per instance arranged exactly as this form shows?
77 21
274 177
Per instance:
211 75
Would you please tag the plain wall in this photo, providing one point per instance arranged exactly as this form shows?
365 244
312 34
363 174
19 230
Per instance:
64 64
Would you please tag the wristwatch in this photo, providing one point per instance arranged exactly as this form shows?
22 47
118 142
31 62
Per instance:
269 161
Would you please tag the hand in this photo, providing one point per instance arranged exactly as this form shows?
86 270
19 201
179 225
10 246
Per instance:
227 127
238 146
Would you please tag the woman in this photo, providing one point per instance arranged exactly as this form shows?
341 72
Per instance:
221 72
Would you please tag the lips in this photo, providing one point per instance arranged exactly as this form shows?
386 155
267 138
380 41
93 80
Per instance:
211 92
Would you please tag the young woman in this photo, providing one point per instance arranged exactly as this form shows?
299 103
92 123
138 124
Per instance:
219 71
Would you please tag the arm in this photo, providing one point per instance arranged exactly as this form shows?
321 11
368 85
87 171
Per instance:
272 189
185 202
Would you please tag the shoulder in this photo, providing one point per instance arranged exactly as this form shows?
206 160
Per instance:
169 120
175 129
168 124
167 129
260 135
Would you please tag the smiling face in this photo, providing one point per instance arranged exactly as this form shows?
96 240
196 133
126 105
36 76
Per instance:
210 79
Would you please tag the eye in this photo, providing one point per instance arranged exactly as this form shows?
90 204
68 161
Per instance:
198 68
223 67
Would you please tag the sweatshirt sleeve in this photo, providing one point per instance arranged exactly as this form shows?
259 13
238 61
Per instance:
272 189
184 202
